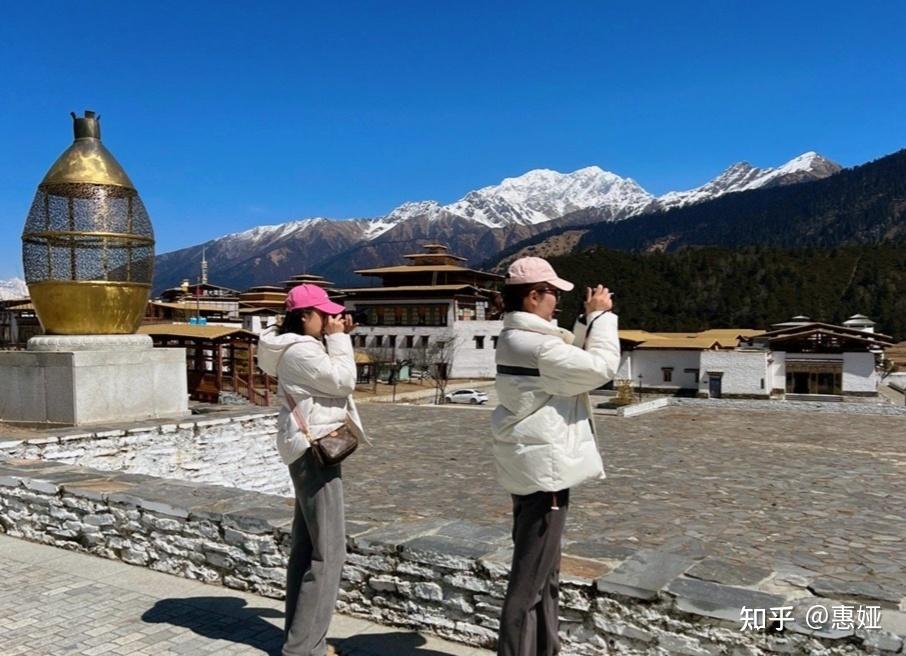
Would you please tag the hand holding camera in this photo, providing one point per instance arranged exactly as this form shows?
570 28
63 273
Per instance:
599 299
339 323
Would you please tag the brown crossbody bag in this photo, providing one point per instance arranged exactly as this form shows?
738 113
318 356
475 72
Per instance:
331 449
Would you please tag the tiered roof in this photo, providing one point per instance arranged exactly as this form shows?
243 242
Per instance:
434 271
822 337
716 338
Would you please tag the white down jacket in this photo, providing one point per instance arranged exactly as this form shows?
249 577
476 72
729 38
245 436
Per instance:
544 437
320 377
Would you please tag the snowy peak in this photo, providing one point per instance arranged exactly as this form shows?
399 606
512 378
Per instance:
14 288
742 176
534 197
271 232
374 228
811 163
542 194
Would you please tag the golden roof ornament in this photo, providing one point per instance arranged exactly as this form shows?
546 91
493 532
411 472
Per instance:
88 244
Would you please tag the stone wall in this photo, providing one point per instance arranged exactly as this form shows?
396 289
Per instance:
881 409
897 381
235 451
446 577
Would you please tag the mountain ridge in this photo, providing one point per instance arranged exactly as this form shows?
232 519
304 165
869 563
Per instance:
479 224
13 288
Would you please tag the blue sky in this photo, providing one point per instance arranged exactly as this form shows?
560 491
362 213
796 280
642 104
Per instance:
229 115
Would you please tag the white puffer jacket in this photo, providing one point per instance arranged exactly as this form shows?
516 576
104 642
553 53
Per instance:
320 376
544 437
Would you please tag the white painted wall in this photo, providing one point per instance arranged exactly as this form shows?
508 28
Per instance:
778 369
650 363
859 373
744 372
257 323
467 361
624 371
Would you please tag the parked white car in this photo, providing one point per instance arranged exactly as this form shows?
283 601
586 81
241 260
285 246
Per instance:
474 397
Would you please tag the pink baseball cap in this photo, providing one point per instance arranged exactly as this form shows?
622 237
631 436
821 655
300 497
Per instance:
311 296
528 270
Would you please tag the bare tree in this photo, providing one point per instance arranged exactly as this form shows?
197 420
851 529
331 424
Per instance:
887 367
387 359
435 359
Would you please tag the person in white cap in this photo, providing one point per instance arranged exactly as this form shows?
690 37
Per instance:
544 437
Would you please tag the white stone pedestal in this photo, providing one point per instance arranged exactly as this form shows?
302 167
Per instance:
91 379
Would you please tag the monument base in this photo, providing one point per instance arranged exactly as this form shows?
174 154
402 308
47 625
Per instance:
92 379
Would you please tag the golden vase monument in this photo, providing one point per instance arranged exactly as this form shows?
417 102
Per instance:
88 255
88 245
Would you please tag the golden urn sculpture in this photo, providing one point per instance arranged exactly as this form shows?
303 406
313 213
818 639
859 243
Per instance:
88 245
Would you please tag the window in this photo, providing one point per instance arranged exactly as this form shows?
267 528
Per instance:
361 340
424 341
479 341
494 341
668 374
694 373
410 341
392 341
379 340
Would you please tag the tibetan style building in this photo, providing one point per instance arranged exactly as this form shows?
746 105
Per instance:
179 304
798 359
431 310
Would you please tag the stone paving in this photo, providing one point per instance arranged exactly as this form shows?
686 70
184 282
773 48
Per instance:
819 498
54 602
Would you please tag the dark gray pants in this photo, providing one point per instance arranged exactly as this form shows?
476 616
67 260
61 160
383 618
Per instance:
317 556
529 623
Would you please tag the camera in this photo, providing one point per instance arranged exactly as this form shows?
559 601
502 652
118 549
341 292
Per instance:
360 317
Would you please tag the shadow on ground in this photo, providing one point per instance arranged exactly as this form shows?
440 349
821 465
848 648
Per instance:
231 619
221 618
385 644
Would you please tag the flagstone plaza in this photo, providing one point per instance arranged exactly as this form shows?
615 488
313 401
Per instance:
817 496
703 511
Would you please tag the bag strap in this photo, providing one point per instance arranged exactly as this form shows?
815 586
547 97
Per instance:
290 399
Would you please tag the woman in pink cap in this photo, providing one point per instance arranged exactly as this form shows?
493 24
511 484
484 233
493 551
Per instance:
313 359
544 437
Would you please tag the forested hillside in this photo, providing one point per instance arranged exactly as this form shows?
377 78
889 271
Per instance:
752 287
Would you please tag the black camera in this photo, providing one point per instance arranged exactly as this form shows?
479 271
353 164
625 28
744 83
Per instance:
360 317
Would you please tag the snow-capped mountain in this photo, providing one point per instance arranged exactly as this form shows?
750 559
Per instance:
542 195
742 176
13 288
478 225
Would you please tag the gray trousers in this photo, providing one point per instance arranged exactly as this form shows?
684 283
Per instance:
317 556
529 623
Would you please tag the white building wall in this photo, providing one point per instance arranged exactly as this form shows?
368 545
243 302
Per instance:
778 369
469 361
257 323
624 371
859 373
434 334
745 373
466 360
651 362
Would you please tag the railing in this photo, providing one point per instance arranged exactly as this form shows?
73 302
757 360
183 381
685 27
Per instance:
250 381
